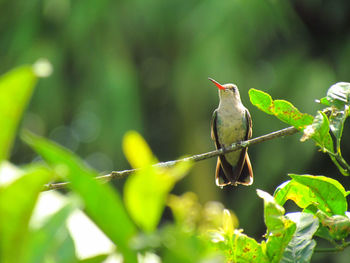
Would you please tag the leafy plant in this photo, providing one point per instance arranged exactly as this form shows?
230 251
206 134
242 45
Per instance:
131 220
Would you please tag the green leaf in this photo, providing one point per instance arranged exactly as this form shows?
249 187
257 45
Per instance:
324 101
319 132
287 113
272 212
329 194
338 95
17 201
325 193
280 229
245 249
102 204
282 109
16 88
186 247
137 151
261 100
337 119
333 227
45 240
301 247
65 250
145 192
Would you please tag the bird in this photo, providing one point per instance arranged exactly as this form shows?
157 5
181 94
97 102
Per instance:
231 122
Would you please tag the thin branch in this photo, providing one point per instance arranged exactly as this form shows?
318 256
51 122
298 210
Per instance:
333 249
194 158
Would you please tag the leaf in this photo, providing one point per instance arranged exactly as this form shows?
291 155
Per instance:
95 259
329 194
319 132
102 204
137 151
228 223
338 95
287 113
261 100
282 109
186 210
325 193
338 101
333 227
145 192
45 240
272 212
280 229
65 250
314 128
301 247
338 98
16 88
185 247
337 120
17 201
245 249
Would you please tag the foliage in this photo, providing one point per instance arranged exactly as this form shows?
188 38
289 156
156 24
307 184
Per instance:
133 223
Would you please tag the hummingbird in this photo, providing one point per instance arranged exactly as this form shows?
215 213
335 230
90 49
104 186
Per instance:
231 122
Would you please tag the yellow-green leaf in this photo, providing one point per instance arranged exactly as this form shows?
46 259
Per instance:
137 151
16 88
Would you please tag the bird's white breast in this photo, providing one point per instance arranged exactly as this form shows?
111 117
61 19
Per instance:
231 127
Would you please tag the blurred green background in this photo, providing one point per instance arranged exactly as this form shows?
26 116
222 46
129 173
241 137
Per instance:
143 65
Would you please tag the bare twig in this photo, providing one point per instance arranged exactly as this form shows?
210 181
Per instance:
194 158
337 248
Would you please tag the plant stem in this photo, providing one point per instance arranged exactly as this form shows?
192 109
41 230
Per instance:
333 249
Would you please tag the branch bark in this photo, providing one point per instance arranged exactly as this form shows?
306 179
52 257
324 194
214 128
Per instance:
194 158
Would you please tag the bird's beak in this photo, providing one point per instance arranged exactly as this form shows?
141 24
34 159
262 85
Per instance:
217 84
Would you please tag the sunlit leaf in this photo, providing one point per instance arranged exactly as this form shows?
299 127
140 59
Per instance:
65 250
261 100
245 249
292 190
46 240
16 88
228 225
102 204
145 192
319 132
17 201
301 247
272 212
137 151
287 113
335 226
323 192
338 95
186 209
282 109
185 247
280 229
337 119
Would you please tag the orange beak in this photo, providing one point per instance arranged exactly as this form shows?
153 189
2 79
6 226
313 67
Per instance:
217 84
